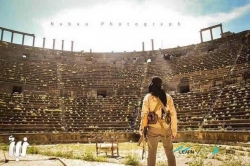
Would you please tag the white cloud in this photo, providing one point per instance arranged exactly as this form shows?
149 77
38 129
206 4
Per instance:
119 38
226 17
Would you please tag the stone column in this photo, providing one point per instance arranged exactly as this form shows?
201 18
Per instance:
72 45
221 31
12 35
143 46
211 34
201 37
2 35
44 42
54 40
62 44
23 40
34 38
152 41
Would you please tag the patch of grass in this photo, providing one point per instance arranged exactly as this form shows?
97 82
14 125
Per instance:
217 157
161 163
196 161
241 149
32 150
65 154
101 159
77 157
128 145
239 161
132 159
87 152
58 154
48 153
4 147
242 154
68 154
200 159
88 156
186 144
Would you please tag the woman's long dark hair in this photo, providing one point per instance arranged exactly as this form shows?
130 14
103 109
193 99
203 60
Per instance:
156 90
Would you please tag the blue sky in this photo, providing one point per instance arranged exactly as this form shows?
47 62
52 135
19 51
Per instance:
121 25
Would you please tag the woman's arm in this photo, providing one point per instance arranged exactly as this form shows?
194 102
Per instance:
173 114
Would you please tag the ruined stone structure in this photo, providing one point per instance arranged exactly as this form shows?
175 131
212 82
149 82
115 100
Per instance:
56 96
211 31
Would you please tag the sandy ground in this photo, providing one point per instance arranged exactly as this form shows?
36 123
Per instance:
40 160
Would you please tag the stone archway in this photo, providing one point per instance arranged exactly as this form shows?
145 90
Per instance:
183 86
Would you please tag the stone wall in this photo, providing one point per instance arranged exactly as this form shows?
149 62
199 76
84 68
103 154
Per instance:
193 136
224 137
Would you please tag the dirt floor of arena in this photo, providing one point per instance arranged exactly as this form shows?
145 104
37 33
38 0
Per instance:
129 154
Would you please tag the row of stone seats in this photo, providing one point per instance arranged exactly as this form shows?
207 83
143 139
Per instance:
21 113
207 61
200 76
17 121
36 73
214 78
191 108
221 59
100 114
94 76
239 111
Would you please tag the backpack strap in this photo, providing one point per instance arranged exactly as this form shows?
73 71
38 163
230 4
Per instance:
157 105
162 106
161 121
167 112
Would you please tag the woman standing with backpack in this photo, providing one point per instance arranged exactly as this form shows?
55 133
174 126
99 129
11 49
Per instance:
159 119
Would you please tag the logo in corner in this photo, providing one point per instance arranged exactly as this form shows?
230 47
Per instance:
18 149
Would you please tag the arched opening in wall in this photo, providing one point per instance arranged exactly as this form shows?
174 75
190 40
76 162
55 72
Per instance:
17 89
184 89
184 85
102 93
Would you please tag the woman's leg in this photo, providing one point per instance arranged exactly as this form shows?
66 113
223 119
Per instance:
153 138
168 146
